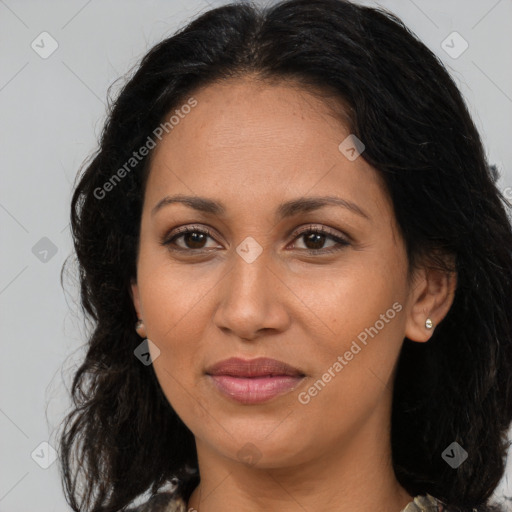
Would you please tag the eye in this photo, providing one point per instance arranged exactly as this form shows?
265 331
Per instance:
315 237
193 237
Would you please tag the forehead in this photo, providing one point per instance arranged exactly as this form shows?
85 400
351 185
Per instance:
248 140
240 113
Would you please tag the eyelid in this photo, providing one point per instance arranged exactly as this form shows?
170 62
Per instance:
321 229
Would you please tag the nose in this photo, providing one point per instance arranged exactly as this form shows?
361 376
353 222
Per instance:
252 299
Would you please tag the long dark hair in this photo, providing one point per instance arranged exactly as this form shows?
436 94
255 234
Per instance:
122 437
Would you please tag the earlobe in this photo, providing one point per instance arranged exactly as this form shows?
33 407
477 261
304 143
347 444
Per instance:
139 326
431 298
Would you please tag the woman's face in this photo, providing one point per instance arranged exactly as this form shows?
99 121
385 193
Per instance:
255 287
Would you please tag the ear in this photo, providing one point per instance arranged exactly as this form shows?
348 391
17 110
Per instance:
432 294
135 295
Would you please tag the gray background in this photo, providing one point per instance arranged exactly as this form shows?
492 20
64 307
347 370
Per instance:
52 113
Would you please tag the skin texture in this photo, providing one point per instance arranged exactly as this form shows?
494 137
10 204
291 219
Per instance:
253 146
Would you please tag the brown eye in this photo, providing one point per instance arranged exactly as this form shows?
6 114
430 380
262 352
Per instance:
192 238
315 238
314 241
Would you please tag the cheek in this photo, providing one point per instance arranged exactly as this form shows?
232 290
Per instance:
178 367
339 304
175 315
173 296
362 330
353 367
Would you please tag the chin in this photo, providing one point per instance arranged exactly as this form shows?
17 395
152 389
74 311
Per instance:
254 447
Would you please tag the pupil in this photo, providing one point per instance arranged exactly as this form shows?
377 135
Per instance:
194 238
316 239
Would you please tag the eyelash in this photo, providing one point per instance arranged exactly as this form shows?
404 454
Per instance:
342 242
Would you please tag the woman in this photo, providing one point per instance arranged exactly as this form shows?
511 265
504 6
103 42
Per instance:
299 270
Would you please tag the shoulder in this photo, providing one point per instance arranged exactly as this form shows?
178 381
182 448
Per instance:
488 507
162 502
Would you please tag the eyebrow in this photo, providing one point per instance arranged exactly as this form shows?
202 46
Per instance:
289 208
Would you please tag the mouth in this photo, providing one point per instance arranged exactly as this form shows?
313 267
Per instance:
254 381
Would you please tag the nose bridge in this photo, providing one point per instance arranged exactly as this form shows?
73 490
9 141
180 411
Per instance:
249 278
251 260
249 302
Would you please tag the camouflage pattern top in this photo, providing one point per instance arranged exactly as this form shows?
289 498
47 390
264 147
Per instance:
169 502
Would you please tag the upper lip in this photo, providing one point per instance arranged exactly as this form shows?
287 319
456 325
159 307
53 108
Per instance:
259 367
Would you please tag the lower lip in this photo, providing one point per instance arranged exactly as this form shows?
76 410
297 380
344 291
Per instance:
254 390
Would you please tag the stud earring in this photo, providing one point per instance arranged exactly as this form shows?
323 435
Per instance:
139 325
428 323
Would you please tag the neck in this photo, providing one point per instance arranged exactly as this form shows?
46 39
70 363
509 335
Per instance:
354 476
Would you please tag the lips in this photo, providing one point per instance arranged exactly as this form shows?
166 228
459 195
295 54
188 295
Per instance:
253 381
260 367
